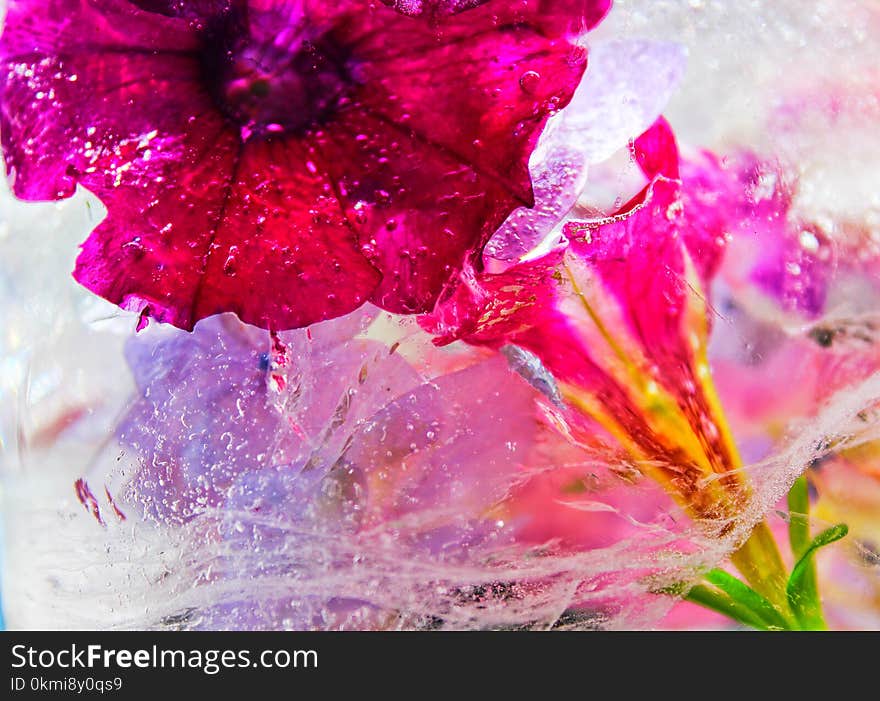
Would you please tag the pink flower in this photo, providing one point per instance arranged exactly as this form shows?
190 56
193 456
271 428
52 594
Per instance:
618 315
788 259
286 160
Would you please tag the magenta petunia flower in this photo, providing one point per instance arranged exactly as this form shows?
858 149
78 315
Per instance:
574 15
432 8
286 160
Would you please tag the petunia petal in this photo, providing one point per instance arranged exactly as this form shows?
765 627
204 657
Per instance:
376 200
66 71
638 264
414 206
185 8
656 151
639 259
162 181
432 8
501 85
285 254
528 305
66 27
574 15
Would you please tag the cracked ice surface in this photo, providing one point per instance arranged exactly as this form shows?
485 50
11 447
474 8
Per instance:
376 496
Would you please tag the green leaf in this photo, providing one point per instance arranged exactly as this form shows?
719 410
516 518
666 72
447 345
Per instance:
799 538
803 596
717 600
744 595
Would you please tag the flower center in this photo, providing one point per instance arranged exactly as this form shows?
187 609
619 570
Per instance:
286 82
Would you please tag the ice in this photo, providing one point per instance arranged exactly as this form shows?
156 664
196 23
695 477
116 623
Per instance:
626 87
794 80
408 509
435 508
352 475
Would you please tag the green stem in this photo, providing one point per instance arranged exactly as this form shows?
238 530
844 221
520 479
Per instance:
806 605
772 598
760 563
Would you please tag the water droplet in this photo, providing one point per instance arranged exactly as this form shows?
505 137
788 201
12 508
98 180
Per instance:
529 81
809 242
